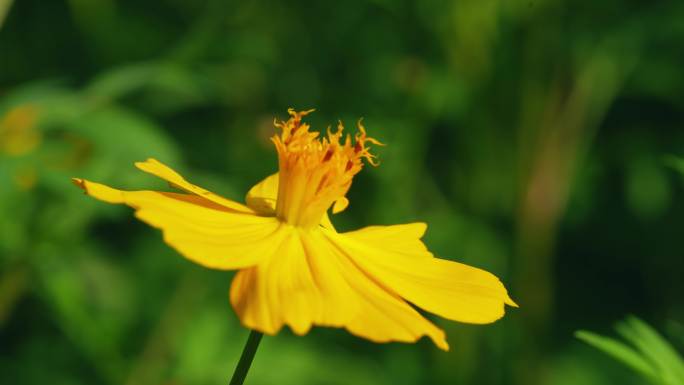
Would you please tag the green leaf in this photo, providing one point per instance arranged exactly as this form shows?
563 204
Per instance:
655 348
619 351
169 83
652 355
675 162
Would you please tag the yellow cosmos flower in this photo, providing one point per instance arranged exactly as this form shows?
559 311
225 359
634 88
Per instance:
295 269
18 134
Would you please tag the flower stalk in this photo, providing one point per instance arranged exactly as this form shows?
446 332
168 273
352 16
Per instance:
246 358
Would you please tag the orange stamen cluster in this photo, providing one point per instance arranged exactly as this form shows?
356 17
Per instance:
315 172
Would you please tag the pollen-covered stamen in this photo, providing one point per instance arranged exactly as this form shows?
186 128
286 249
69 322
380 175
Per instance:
316 172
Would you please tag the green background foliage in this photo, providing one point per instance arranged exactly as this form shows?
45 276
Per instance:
539 139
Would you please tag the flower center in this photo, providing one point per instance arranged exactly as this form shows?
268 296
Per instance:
316 172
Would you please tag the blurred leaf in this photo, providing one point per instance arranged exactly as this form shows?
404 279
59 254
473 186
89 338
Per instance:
675 162
174 84
97 334
121 135
619 351
648 189
652 356
665 358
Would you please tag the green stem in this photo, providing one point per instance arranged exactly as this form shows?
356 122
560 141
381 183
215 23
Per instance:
246 359
4 10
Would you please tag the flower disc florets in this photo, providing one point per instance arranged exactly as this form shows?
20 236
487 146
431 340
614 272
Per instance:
316 172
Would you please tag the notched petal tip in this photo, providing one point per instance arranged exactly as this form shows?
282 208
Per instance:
421 229
509 301
147 161
300 330
78 182
157 168
257 327
147 165
99 191
272 331
442 344
438 340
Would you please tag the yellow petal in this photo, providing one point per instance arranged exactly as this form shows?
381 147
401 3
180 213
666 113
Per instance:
327 223
299 287
205 232
339 303
277 291
383 316
399 238
340 205
263 196
311 283
450 289
156 168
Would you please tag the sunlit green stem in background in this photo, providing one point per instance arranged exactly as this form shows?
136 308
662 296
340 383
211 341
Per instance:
4 9
246 359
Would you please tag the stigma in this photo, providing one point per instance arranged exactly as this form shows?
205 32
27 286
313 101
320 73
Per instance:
316 172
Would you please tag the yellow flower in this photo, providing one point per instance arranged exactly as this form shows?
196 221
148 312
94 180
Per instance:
295 269
18 134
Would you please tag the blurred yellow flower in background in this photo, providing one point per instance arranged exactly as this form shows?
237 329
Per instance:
295 269
18 134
